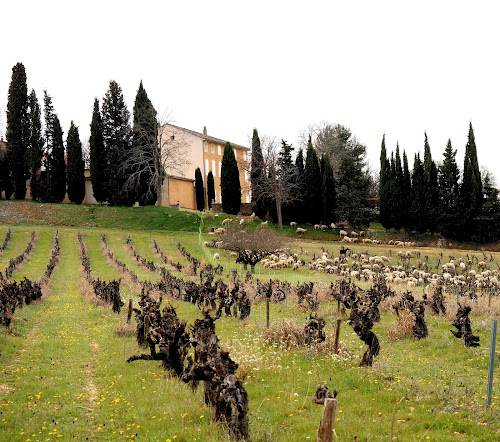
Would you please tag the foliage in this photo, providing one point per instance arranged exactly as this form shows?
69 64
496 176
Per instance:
200 192
418 195
76 168
328 193
56 166
257 174
18 130
311 188
384 184
230 182
430 189
98 156
449 196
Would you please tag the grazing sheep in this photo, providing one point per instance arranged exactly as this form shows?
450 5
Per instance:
216 256
252 216
233 255
293 224
300 230
343 233
353 233
264 224
316 226
226 221
206 244
362 233
242 221
220 231
323 227
333 226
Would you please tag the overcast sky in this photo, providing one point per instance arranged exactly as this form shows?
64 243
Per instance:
375 66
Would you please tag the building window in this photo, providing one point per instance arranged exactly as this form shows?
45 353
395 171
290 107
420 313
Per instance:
218 149
246 177
205 146
206 166
213 167
247 199
172 137
220 168
212 148
245 155
215 196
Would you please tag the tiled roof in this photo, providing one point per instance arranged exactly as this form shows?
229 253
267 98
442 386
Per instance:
209 137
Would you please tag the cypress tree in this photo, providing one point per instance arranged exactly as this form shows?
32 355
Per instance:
76 167
384 185
418 196
328 194
487 221
57 165
200 191
431 188
117 139
144 146
471 188
312 190
210 189
449 196
406 198
17 130
35 146
98 156
230 182
257 174
396 191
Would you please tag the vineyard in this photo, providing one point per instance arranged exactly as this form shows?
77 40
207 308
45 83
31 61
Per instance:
123 334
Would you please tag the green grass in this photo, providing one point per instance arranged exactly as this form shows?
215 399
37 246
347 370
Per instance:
62 351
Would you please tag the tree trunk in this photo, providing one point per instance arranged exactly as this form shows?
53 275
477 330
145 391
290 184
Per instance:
278 211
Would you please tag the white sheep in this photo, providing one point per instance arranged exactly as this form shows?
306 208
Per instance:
264 224
293 224
343 233
300 231
242 221
226 221
216 256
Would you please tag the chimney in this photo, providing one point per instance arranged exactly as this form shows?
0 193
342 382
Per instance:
205 130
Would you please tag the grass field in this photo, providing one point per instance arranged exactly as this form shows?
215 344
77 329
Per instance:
63 373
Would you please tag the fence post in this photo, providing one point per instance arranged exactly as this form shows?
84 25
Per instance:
337 335
493 342
267 312
327 423
129 312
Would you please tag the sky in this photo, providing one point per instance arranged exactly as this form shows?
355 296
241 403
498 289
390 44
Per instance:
397 68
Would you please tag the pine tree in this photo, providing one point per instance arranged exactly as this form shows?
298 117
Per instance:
200 191
57 165
299 205
430 188
329 196
210 189
396 191
406 198
487 222
117 136
144 145
449 196
230 182
35 146
384 185
17 130
5 175
76 168
257 173
418 196
312 190
98 156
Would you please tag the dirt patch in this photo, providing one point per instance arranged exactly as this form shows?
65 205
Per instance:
4 389
90 387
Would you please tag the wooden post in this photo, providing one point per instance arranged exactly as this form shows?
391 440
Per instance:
267 312
327 423
337 335
489 298
129 312
146 326
493 341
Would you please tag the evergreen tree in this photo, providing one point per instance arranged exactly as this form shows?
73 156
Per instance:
56 165
117 136
257 173
35 146
98 156
17 130
45 175
76 167
431 188
384 187
312 190
286 170
200 191
210 189
230 182
487 222
471 191
144 145
449 196
406 198
396 191
418 196
4 175
353 188
328 194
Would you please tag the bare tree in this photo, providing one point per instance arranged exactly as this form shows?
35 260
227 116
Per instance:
151 162
281 182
